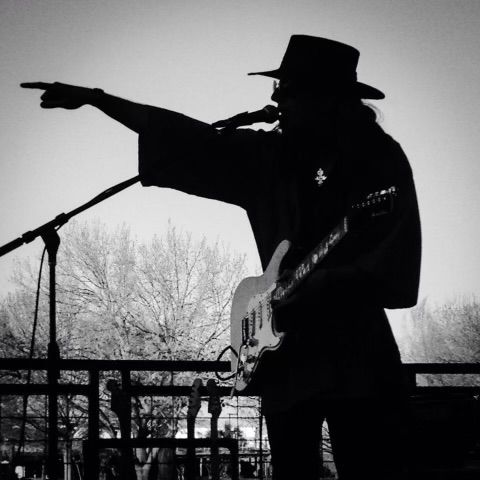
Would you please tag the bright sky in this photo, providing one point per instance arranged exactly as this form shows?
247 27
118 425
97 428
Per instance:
193 57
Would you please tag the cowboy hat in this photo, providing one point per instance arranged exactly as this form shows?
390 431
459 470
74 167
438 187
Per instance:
332 64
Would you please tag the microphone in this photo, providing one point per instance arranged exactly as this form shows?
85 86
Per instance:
267 114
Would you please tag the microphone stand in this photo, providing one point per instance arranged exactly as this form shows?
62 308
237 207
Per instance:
49 235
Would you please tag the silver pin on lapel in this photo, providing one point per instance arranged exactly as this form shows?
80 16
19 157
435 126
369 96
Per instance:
321 177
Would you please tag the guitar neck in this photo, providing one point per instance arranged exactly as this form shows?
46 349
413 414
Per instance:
311 261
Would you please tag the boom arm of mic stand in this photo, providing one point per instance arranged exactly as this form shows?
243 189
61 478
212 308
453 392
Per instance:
63 218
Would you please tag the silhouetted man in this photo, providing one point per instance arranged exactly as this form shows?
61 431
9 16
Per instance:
340 360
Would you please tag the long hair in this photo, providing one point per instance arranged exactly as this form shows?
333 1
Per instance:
356 120
361 112
372 112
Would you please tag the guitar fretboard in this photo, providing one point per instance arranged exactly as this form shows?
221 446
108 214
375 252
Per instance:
311 261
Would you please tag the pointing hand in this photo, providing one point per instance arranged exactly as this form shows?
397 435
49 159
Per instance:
61 95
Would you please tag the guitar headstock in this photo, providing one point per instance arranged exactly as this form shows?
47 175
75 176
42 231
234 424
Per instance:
214 403
194 401
376 204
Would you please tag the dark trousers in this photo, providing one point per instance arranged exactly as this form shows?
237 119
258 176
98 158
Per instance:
367 437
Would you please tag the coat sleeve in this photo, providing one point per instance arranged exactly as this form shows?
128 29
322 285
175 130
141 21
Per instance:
389 253
179 152
380 264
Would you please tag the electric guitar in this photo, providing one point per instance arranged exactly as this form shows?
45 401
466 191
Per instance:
252 328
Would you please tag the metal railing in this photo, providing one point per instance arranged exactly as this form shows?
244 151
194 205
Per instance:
89 388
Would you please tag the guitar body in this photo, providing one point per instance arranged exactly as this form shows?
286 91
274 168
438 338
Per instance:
252 327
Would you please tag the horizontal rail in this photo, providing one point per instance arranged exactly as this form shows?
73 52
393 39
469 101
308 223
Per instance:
172 390
94 366
42 389
445 389
442 368
230 443
194 365
129 365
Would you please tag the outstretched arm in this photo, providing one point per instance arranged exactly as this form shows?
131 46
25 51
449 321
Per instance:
59 95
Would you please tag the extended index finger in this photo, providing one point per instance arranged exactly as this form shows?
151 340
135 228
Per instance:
39 85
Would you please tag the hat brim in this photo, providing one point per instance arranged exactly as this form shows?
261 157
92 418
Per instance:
362 89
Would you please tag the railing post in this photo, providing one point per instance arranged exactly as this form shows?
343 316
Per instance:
410 376
260 450
125 419
91 462
234 457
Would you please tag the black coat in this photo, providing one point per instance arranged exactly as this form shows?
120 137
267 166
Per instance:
340 341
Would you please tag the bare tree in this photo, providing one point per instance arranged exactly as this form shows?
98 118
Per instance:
119 299
446 333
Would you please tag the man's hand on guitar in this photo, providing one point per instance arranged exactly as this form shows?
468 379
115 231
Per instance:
61 95
284 309
309 291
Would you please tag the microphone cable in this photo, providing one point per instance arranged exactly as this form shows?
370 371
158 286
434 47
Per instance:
220 355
